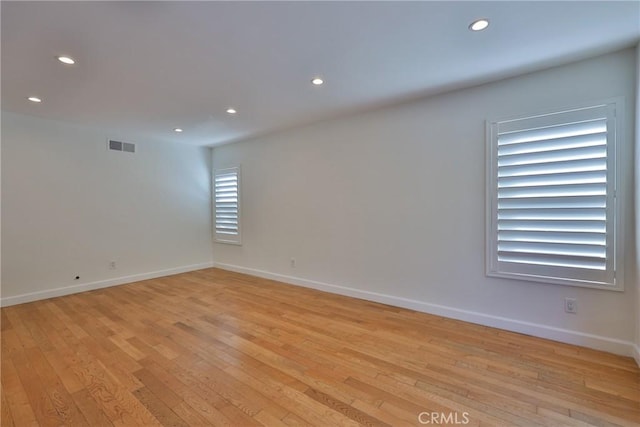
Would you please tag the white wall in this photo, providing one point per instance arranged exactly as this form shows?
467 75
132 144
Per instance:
389 205
637 204
70 206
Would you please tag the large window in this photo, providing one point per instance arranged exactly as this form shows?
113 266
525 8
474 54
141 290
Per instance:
226 189
553 215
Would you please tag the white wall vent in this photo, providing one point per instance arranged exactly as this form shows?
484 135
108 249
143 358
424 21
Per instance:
121 146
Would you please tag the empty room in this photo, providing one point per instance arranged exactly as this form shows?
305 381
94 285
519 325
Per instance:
316 213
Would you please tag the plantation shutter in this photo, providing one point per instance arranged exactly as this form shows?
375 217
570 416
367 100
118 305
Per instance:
553 201
227 205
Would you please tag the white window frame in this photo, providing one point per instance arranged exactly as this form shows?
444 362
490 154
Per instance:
220 237
612 277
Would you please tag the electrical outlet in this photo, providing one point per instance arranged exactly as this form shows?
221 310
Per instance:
570 305
293 263
112 265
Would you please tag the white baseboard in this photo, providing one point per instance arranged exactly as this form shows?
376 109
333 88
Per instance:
597 342
636 353
68 290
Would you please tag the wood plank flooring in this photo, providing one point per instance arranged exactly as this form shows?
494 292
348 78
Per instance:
213 347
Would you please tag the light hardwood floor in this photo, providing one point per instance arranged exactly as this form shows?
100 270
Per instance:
218 348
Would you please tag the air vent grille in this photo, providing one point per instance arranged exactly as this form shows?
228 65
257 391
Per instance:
115 145
121 146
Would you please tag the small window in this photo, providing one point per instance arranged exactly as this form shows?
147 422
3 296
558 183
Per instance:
553 215
226 184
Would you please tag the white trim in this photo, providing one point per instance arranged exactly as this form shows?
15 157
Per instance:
636 353
68 290
597 342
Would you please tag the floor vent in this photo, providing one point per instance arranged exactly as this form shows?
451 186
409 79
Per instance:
122 146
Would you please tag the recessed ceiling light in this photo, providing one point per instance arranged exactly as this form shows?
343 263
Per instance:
66 60
177 130
231 110
479 25
317 81
34 99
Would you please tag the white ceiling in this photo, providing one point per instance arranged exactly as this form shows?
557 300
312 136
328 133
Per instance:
144 68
